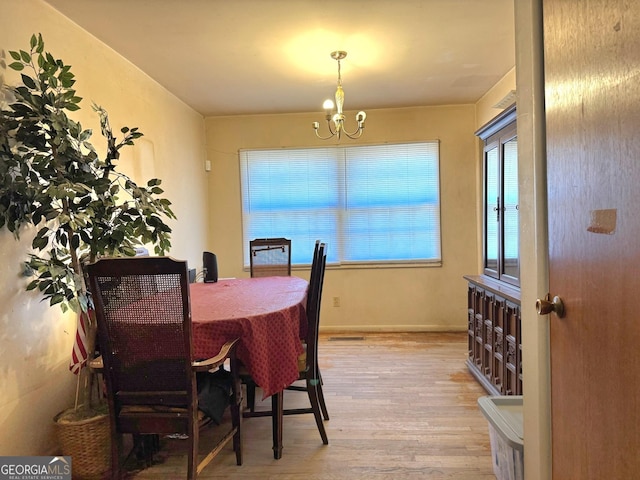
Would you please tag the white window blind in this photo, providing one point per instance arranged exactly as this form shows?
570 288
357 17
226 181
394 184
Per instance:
370 204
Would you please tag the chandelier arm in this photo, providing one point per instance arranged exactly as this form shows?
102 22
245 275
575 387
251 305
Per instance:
331 132
356 133
324 138
353 135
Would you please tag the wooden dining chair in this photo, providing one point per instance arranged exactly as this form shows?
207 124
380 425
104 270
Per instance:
309 371
316 282
270 257
143 315
250 385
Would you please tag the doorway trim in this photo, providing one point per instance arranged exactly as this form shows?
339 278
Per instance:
534 252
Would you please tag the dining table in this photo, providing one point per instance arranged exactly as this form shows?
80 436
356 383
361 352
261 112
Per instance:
268 315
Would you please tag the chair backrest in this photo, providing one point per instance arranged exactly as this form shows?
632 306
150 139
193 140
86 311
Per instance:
144 331
314 298
314 266
210 267
270 257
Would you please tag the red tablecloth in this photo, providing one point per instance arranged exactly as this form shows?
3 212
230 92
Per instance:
267 314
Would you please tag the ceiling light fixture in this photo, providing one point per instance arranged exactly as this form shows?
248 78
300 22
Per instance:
335 121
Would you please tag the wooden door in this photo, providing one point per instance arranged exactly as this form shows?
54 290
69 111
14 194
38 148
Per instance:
592 90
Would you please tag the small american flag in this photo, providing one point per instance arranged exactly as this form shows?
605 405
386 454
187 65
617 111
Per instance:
79 354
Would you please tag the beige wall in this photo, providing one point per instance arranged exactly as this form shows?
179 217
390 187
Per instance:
35 340
418 298
485 107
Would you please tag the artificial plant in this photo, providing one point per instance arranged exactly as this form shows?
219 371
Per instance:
52 178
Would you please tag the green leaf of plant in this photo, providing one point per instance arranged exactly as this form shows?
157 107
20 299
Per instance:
55 299
16 66
40 47
28 81
85 236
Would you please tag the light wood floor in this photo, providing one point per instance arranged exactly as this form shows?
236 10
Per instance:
402 406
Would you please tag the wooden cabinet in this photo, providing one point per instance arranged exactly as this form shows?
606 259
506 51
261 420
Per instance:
495 346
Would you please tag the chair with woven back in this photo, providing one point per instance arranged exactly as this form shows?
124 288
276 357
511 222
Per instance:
270 257
143 315
309 371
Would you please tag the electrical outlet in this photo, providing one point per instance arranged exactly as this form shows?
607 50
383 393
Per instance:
336 301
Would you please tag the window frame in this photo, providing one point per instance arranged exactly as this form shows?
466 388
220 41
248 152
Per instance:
339 155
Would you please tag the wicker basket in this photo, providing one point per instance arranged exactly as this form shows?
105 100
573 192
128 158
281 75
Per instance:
88 443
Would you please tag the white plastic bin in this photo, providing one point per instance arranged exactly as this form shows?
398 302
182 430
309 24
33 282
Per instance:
504 414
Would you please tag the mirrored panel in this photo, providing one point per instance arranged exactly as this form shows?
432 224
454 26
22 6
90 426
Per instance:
510 221
491 214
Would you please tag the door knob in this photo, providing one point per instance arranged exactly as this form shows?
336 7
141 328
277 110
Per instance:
546 306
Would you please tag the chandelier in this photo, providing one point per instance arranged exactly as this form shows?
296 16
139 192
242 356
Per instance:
335 121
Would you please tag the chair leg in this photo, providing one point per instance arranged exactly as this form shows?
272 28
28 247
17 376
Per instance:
116 449
251 395
236 420
194 437
323 405
277 407
312 389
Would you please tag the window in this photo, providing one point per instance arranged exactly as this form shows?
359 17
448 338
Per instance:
501 219
370 204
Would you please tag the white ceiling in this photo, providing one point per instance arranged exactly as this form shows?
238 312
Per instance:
226 57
